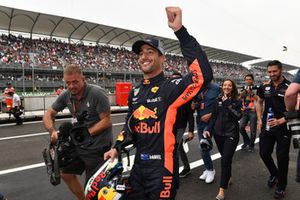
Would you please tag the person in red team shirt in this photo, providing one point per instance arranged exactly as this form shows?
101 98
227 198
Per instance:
60 90
8 98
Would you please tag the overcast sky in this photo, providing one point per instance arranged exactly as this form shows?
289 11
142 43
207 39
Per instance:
256 27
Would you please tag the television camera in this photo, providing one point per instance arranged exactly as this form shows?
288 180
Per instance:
293 123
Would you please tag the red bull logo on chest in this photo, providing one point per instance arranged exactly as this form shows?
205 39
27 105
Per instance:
145 113
143 127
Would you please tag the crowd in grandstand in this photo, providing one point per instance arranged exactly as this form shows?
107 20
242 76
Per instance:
52 53
49 53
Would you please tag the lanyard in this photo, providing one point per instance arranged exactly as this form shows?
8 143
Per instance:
75 106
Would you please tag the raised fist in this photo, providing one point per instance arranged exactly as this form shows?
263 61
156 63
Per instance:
174 18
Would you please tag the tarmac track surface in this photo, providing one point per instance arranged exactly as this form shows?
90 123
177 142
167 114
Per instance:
23 174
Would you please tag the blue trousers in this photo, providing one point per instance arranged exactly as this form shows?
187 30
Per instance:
201 126
181 151
248 116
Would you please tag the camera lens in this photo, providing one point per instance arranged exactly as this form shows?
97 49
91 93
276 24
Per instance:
79 137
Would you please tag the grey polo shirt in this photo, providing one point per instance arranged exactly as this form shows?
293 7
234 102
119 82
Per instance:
93 102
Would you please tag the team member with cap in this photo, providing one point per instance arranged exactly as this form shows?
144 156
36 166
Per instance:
152 112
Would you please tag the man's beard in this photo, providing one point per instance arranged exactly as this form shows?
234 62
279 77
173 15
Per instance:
275 78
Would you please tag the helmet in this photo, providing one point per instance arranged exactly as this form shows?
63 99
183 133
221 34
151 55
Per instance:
206 144
104 182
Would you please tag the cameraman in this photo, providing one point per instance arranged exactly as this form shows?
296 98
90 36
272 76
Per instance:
249 99
290 100
90 108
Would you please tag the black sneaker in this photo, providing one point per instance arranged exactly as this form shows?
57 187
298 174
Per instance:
245 146
184 173
272 181
279 194
19 123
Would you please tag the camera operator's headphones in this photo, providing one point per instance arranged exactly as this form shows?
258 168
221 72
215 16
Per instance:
206 144
104 182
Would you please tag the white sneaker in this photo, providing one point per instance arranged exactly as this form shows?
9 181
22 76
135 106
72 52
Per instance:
203 176
210 176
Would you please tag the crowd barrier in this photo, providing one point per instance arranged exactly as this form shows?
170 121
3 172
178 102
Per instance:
37 103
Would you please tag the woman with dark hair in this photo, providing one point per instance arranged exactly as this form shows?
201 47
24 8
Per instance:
224 126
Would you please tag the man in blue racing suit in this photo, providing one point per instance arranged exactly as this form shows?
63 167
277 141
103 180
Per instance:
152 112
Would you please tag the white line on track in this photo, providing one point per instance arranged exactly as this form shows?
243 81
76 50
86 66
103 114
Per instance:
42 133
8 171
62 119
193 165
216 156
32 122
24 136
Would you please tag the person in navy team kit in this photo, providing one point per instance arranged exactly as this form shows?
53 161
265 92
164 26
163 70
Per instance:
153 105
274 129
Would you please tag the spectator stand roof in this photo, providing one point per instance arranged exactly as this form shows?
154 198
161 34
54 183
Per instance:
17 20
286 67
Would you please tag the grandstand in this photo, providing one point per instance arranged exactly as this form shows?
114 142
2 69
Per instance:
34 47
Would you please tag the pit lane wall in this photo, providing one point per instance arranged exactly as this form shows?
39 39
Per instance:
35 107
